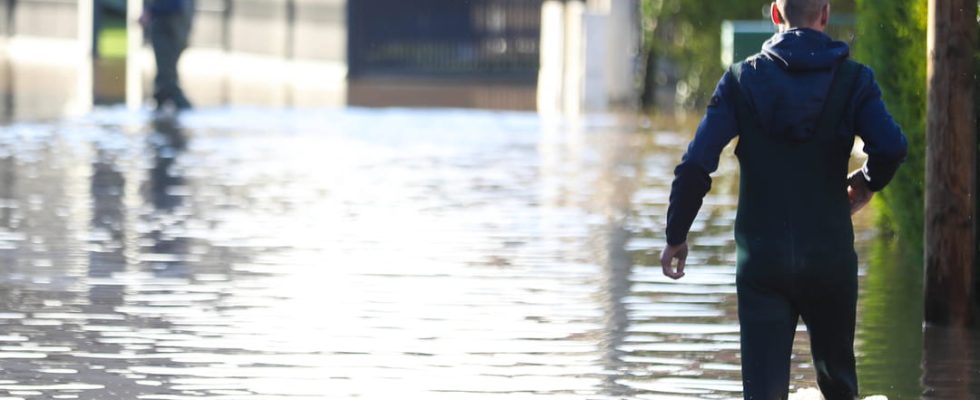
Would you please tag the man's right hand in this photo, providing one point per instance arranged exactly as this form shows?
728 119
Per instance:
667 260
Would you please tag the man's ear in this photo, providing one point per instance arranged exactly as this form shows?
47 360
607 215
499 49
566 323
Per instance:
825 15
777 18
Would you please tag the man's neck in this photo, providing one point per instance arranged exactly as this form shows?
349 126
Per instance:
787 28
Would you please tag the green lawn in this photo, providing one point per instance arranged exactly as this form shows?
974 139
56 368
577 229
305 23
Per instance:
112 39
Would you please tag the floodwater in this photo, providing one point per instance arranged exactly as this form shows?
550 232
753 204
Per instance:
256 254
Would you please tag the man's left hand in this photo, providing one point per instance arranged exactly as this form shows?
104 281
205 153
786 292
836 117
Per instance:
857 192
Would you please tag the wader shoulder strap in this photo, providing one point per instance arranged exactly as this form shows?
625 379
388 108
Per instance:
838 96
834 107
744 113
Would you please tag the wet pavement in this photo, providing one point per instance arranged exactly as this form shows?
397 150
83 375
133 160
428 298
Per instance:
442 254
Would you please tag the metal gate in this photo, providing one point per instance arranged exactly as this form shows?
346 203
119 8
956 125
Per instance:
461 39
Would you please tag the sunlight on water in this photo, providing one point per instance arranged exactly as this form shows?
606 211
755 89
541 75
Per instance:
371 254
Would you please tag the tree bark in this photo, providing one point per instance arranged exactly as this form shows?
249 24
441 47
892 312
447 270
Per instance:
950 244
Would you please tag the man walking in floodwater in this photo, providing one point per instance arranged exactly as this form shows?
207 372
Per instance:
168 23
795 108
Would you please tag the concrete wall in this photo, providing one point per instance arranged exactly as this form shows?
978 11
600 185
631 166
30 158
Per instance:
46 18
262 52
320 39
293 53
424 93
45 48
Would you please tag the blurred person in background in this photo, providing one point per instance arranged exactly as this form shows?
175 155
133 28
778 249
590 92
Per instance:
168 24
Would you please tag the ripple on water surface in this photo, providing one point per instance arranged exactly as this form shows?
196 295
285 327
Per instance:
370 254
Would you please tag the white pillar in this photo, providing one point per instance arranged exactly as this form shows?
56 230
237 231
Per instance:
624 45
597 61
134 55
86 26
574 57
551 72
611 47
85 90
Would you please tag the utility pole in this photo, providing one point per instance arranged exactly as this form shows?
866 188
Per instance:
951 164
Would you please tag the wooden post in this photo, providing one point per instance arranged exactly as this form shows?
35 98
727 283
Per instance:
950 164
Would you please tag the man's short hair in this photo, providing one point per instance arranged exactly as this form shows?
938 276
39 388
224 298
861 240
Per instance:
801 12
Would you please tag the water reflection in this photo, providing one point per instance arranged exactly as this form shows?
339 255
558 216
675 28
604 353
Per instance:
168 247
166 183
889 330
950 363
107 249
433 254
6 90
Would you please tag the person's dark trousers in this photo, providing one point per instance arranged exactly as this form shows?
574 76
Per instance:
168 35
768 315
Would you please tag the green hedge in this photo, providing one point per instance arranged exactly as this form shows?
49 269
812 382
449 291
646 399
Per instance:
686 34
892 40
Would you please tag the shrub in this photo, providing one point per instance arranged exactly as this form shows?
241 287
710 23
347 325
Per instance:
891 39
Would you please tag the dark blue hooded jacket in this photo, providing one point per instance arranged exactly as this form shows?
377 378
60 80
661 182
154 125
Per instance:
786 85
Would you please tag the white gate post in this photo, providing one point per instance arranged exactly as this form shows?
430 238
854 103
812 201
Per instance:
574 84
134 55
86 30
552 67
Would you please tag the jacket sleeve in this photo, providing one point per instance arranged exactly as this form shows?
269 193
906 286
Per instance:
884 142
692 178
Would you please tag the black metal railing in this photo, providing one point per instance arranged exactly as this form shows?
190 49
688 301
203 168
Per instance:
494 39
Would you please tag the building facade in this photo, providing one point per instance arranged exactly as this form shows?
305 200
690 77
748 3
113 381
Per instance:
555 56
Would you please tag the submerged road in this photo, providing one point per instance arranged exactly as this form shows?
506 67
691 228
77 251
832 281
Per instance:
249 254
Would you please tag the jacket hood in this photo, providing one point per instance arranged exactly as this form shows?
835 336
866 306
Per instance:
805 49
788 82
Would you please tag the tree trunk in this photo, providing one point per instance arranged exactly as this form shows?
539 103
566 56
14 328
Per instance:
950 244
